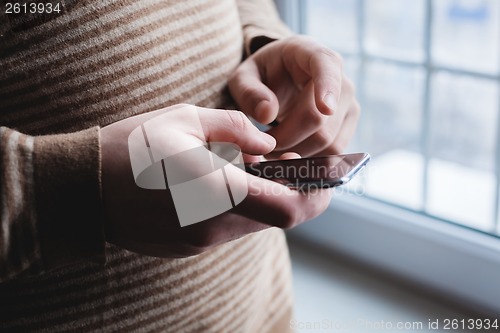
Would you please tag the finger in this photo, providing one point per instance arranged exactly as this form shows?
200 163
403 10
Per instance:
289 156
322 138
300 123
318 140
316 143
262 200
252 158
320 144
268 202
346 132
347 100
325 69
274 204
235 127
252 96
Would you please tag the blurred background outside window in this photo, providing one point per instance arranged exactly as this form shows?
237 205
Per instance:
428 78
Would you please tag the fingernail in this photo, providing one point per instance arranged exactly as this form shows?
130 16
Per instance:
263 111
329 100
260 108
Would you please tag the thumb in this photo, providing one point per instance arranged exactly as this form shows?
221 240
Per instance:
235 127
253 97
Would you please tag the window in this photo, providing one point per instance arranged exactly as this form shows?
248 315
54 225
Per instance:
428 76
428 79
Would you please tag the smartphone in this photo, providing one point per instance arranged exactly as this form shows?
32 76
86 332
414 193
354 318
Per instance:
311 172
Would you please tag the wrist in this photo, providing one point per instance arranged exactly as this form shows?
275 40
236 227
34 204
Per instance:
67 189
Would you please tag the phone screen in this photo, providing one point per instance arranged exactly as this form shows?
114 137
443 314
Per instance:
323 172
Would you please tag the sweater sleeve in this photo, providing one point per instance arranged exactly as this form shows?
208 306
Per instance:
50 205
261 23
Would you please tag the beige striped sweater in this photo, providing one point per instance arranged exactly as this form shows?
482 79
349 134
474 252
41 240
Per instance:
62 77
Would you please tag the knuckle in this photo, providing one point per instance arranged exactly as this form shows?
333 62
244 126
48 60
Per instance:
323 138
237 120
314 119
332 55
348 86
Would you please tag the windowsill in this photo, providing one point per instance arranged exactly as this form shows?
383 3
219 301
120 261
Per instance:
335 293
454 262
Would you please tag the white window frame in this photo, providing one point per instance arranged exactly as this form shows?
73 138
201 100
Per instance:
455 262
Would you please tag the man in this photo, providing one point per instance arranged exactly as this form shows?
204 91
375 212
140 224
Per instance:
82 247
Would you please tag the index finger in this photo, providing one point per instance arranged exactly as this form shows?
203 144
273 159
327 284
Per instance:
325 69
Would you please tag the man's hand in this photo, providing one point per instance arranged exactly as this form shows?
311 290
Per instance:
145 221
299 83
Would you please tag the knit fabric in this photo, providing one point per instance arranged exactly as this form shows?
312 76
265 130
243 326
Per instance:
62 77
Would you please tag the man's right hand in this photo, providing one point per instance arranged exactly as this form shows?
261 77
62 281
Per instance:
145 221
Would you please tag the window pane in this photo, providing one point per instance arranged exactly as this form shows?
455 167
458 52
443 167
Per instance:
351 68
393 99
395 28
467 34
333 22
391 132
461 184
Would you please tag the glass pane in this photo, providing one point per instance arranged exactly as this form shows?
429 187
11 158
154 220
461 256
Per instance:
351 68
391 132
395 28
333 22
461 184
466 34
